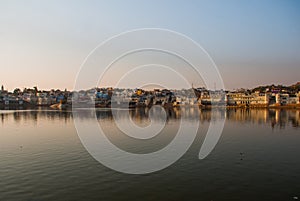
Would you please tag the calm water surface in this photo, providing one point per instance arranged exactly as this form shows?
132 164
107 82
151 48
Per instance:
257 158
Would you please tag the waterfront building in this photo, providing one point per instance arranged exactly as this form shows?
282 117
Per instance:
293 99
282 98
238 99
298 95
259 99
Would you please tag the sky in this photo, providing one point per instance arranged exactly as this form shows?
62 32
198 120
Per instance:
44 43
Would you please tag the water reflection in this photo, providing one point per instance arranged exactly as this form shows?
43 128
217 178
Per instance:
42 157
23 116
275 118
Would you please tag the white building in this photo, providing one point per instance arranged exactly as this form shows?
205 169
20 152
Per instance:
259 98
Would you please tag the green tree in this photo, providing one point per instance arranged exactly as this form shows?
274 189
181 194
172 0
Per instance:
17 91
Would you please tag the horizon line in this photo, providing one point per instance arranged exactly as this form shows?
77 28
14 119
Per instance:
65 88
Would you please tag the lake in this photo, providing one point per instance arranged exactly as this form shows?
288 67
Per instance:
256 158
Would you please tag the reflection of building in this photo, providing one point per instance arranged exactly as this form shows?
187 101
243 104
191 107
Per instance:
271 117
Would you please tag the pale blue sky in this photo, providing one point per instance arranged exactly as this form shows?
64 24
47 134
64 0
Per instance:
252 42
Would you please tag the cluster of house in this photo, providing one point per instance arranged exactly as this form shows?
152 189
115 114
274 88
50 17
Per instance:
264 98
109 97
250 98
32 97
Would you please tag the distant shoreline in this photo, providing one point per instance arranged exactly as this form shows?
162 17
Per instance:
68 107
